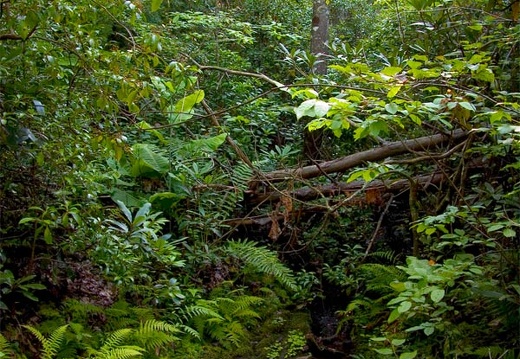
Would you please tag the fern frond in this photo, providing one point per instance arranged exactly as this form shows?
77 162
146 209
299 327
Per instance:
263 260
154 334
51 345
242 175
153 325
4 347
387 256
190 331
123 352
378 277
246 301
115 339
246 313
202 309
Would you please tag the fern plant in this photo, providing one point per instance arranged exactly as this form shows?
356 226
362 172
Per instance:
50 345
225 319
4 347
262 260
113 347
154 335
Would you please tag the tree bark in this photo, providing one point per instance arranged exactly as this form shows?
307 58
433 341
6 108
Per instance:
320 35
331 190
375 154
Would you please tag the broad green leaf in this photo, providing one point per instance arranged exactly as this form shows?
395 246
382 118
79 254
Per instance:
306 108
397 342
429 330
509 233
393 91
27 220
393 316
156 4
416 119
467 106
183 109
398 286
321 108
404 307
147 161
29 295
384 351
187 103
408 355
391 108
484 74
126 198
210 144
436 295
391 70
35 286
146 126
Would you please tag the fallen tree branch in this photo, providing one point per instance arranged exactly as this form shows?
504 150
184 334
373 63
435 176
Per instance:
342 188
375 154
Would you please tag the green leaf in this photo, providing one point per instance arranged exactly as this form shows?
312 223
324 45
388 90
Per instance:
148 161
404 307
509 233
393 91
210 144
321 108
144 210
467 106
391 108
125 210
397 342
126 198
29 295
436 295
391 70
183 109
429 330
378 339
187 103
156 4
27 220
35 286
306 108
384 351
393 316
408 355
47 235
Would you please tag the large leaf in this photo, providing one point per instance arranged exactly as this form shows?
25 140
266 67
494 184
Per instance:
210 144
147 161
183 109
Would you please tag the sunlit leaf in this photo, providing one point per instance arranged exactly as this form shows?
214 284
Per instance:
156 4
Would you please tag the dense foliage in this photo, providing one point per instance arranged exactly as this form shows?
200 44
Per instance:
157 196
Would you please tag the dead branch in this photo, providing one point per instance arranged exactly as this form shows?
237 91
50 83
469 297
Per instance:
331 190
356 159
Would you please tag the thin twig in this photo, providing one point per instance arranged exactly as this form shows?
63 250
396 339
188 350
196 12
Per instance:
378 226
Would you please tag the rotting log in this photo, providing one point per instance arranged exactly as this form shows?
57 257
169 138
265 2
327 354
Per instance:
375 154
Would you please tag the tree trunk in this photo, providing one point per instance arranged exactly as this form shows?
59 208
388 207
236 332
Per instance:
320 35
319 47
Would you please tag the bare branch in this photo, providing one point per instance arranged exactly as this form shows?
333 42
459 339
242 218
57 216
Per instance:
375 154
